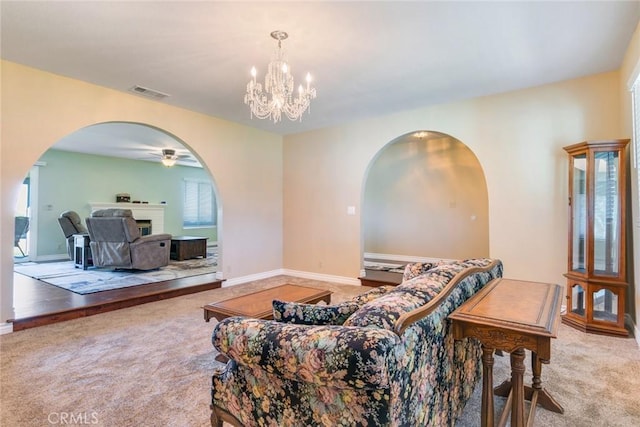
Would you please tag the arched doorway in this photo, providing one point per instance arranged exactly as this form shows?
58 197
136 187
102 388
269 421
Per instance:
425 197
98 162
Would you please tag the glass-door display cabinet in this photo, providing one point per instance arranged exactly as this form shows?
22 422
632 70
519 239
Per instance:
596 277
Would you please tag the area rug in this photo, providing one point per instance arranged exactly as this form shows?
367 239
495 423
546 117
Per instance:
66 276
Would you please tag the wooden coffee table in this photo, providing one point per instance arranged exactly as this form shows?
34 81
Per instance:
259 304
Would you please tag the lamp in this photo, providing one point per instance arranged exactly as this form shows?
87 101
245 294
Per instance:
277 96
169 157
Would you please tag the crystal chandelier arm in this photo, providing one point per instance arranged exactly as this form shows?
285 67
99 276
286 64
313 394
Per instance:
294 110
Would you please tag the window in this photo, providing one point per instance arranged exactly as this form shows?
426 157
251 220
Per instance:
199 204
22 207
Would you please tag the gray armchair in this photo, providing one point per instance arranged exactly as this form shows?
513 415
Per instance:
71 224
21 228
116 242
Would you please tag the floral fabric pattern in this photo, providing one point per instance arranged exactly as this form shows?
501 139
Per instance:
315 314
324 355
372 294
409 295
359 373
414 269
312 314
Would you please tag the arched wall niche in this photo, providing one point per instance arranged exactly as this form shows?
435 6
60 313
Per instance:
74 181
247 163
425 197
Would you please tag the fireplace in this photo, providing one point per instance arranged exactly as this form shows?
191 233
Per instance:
150 213
144 225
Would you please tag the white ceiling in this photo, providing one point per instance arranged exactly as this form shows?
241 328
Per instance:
367 58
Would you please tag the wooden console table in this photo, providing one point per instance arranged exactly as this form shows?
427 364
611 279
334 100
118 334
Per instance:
512 315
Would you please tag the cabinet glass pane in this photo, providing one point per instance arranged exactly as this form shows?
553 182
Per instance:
606 221
579 213
577 300
605 306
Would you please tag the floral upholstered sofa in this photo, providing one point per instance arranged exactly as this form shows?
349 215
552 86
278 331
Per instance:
385 358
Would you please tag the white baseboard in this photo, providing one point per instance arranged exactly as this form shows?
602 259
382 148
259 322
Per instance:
406 258
6 328
636 332
55 257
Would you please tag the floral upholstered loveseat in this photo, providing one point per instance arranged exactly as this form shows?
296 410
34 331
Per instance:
385 358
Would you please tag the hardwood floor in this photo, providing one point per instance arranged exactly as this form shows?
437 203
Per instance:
38 303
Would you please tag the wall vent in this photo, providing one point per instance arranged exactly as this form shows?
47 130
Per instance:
149 93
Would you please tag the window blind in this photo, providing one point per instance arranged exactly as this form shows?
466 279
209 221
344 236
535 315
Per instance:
199 204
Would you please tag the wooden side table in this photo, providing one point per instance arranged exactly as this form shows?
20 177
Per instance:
185 247
81 251
512 315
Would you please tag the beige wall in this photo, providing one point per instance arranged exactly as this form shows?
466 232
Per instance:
285 200
629 71
426 196
39 108
518 139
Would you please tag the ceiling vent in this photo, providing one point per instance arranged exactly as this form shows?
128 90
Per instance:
149 93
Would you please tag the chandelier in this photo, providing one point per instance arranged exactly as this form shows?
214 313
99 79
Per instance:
277 95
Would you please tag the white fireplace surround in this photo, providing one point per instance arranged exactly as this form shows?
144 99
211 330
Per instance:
153 213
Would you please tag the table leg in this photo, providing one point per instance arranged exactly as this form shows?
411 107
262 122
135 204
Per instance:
517 388
538 395
487 387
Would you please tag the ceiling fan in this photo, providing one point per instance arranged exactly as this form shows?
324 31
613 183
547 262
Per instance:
170 156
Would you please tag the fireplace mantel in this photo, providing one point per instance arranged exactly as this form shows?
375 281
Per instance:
151 212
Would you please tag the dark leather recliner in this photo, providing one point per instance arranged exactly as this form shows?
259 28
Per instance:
116 242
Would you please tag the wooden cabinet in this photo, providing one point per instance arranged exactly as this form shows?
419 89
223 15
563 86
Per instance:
596 276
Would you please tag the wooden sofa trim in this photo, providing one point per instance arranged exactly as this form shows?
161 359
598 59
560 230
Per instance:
407 319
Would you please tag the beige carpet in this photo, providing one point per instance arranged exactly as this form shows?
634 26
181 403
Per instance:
150 365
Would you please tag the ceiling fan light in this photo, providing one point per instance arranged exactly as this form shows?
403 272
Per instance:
168 161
